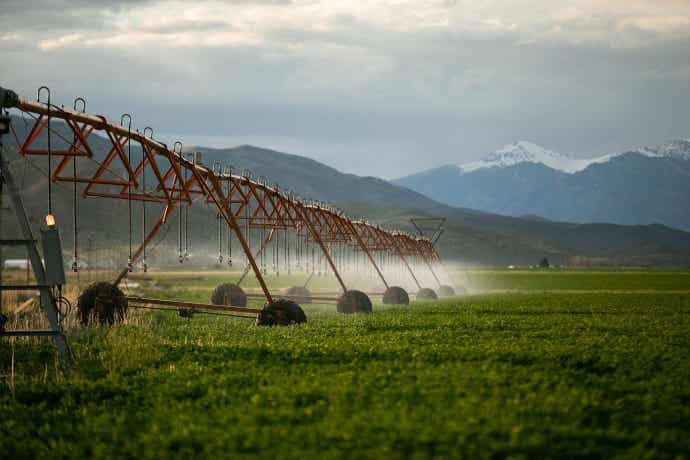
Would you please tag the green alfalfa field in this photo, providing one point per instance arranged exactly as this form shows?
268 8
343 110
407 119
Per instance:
531 364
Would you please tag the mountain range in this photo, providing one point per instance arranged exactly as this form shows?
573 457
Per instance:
638 187
472 237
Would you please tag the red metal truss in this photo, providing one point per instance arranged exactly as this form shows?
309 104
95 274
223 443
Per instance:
157 173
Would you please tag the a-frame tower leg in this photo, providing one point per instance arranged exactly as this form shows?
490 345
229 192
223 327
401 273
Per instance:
47 298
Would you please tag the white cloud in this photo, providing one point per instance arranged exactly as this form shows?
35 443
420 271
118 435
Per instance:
615 23
60 42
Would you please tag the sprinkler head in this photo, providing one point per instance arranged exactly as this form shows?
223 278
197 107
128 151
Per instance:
229 261
181 258
75 266
144 266
130 267
220 259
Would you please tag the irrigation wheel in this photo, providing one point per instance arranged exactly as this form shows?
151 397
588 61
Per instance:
396 295
354 302
300 292
281 312
102 302
446 291
229 294
426 294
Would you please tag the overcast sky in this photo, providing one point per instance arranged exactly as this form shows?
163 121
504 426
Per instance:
381 88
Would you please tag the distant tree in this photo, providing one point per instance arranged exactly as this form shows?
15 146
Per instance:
544 263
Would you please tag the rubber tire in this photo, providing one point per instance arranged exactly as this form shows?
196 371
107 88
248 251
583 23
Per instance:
396 295
426 294
299 291
354 302
110 308
281 312
229 294
446 291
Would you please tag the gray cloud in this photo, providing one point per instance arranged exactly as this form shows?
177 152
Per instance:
48 16
372 94
184 25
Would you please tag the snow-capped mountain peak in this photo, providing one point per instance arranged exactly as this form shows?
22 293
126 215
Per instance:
679 148
527 152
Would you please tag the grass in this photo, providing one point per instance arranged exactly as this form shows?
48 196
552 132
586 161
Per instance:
511 375
581 280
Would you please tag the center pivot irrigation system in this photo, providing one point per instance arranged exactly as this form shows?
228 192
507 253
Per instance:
318 237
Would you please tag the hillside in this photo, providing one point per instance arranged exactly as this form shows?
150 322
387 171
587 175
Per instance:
471 237
309 178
